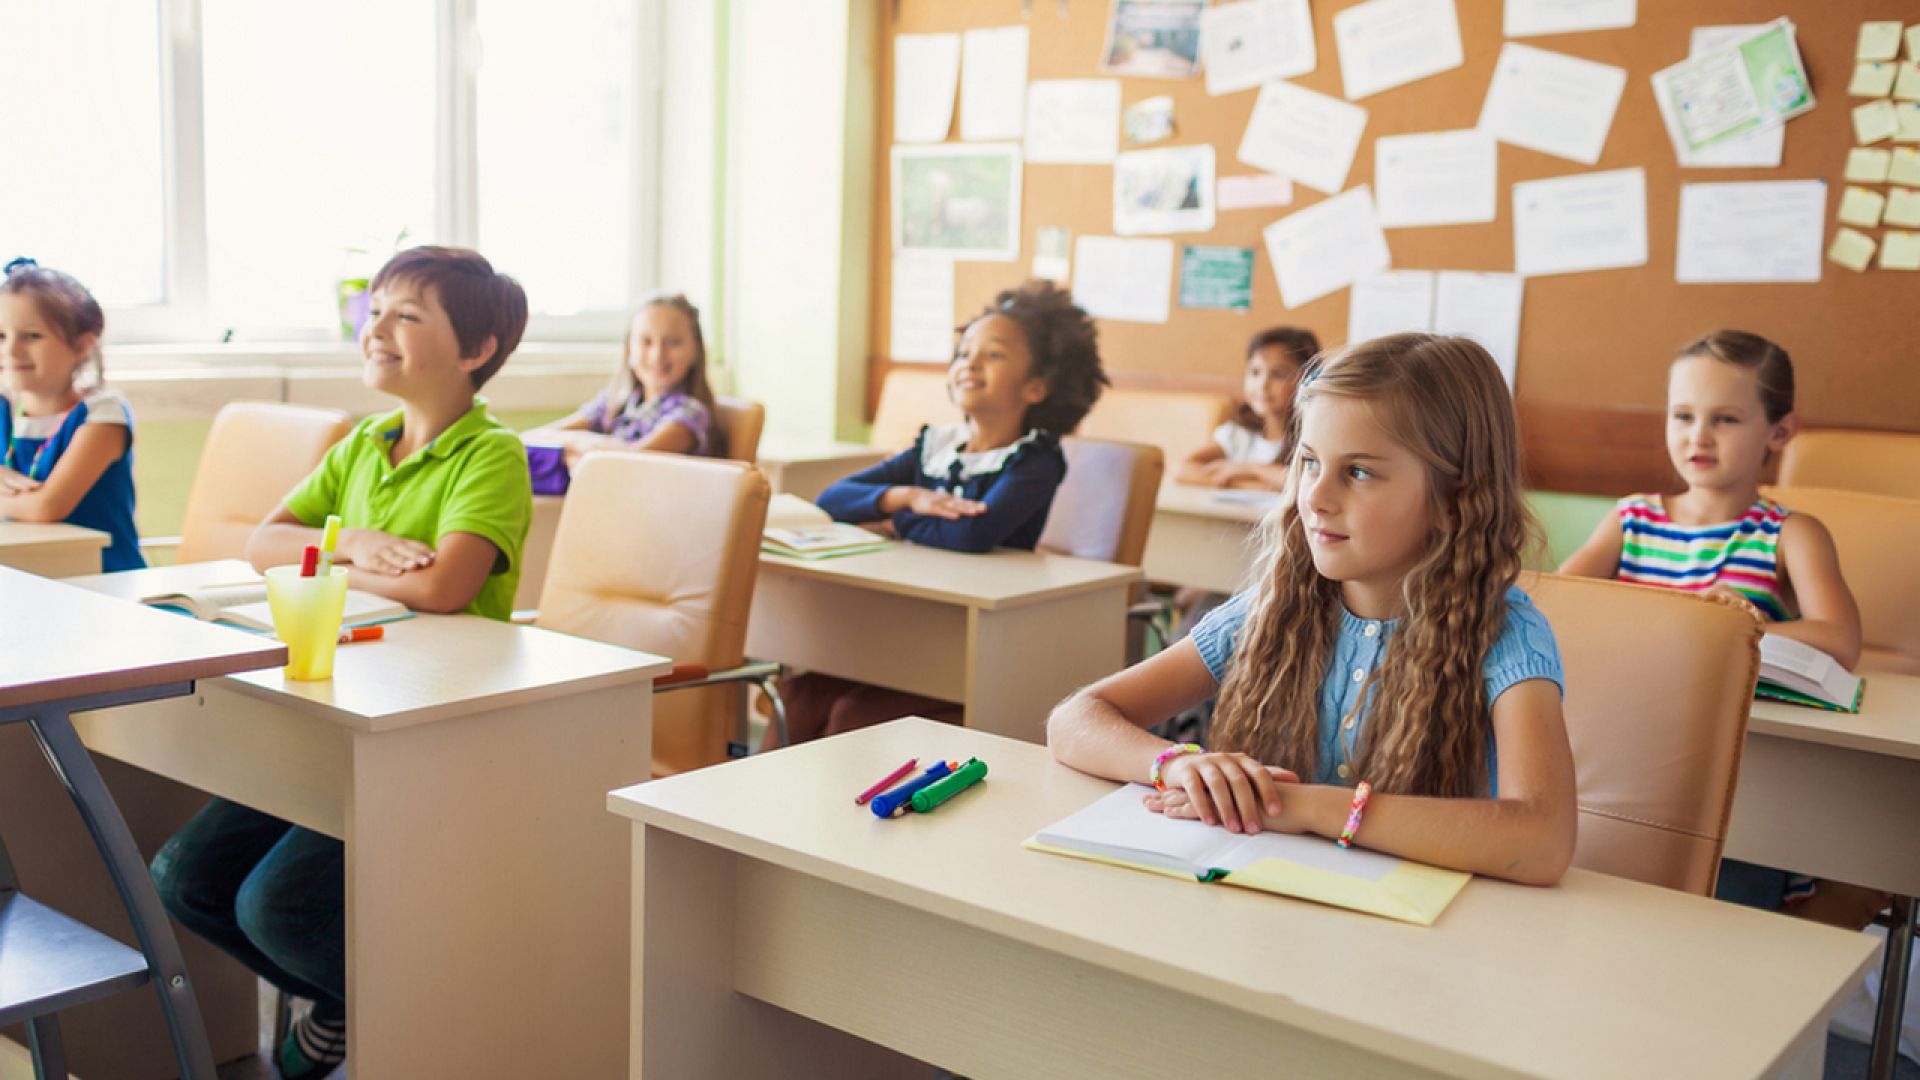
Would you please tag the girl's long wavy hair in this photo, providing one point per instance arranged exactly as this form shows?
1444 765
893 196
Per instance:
1427 729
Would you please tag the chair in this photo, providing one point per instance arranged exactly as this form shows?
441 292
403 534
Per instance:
1659 685
909 398
1879 462
1871 533
659 552
1177 421
742 421
255 453
1102 510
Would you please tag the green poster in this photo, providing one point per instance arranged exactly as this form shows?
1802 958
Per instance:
1216 277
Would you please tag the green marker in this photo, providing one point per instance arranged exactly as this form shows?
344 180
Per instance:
933 795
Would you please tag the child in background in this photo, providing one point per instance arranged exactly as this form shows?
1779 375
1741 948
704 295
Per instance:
1025 373
435 499
1729 411
66 441
659 398
1384 643
1249 450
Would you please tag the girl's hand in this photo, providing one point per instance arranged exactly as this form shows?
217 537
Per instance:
13 483
929 503
382 553
883 527
1290 819
1223 789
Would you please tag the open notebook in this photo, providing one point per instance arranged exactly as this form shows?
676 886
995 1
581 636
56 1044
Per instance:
801 530
244 604
1119 830
1803 675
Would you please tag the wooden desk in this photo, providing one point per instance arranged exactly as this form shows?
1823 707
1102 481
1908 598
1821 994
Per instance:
1202 538
1006 634
51 549
464 762
805 467
758 883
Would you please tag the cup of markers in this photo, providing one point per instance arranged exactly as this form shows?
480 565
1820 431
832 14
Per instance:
307 602
923 793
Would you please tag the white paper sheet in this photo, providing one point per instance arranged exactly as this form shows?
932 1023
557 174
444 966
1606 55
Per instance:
1435 178
1396 302
1550 102
1484 307
1527 18
1245 44
993 83
1050 254
1589 221
921 310
1751 232
1261 189
1307 136
926 71
1389 43
1761 149
1130 280
1326 247
1073 121
1166 190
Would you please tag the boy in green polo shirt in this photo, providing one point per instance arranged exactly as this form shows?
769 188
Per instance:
435 500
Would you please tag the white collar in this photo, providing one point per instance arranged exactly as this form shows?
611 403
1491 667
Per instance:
940 449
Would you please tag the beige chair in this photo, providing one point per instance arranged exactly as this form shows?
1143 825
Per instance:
1871 533
255 453
1102 510
911 397
1659 685
1177 421
1878 462
742 421
659 552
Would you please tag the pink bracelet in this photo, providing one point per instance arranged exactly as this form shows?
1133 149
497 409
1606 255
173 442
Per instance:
1171 752
1353 815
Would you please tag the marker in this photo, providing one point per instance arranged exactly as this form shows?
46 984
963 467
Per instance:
970 774
362 633
891 779
329 536
897 800
309 560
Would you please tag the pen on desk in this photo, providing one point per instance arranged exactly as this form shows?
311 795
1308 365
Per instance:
362 633
329 536
886 782
894 802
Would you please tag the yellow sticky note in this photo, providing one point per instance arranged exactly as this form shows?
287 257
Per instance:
1853 250
1861 207
1903 207
1874 121
1900 251
1906 121
1872 79
1868 166
1906 166
1913 42
1878 41
1907 85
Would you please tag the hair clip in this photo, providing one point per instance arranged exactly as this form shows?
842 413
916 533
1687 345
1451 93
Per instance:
18 263
1314 367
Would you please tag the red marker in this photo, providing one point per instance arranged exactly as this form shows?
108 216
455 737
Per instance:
362 633
309 561
892 778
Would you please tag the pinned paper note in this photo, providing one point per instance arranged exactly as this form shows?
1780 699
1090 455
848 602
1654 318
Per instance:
1165 190
1872 79
1528 18
1073 121
1874 121
1900 251
1589 221
1149 120
1906 166
1906 121
1878 41
1861 207
1484 307
1050 255
1436 178
1130 280
1751 232
1853 250
1907 85
1216 277
1748 84
1754 149
1396 302
1913 42
1243 45
921 308
1550 102
1326 247
1310 137
1868 166
1389 43
1903 207
926 72
1262 189
993 83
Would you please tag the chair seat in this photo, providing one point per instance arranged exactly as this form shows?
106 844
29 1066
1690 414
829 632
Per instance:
53 962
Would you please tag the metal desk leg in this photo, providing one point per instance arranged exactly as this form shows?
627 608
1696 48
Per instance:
49 1054
1893 989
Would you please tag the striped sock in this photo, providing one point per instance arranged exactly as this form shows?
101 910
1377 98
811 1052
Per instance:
313 1048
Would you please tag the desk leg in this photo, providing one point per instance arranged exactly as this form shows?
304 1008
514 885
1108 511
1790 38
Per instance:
1023 661
1893 989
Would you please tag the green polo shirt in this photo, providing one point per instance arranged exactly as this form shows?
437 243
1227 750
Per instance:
472 479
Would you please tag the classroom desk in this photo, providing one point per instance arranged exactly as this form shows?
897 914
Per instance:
1837 796
1202 537
1006 634
805 467
51 549
758 884
464 762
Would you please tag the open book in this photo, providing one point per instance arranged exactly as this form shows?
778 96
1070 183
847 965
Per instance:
244 604
1798 673
801 530
1119 830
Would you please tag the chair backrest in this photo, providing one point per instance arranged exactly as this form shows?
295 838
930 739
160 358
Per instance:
659 552
1878 462
255 453
1871 534
1103 508
909 398
1177 421
1659 685
742 421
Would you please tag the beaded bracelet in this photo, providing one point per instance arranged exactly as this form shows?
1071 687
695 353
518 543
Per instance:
1171 752
1353 815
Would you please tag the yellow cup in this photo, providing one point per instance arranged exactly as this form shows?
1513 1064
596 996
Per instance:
306 618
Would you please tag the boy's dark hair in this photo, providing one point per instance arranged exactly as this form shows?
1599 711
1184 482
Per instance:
1062 340
479 302
1301 346
1769 363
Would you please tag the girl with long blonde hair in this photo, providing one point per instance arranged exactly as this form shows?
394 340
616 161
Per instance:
1384 653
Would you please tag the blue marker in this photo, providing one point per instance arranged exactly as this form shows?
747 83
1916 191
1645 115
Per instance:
886 803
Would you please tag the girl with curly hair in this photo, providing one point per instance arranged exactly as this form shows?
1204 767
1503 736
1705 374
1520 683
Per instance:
1384 662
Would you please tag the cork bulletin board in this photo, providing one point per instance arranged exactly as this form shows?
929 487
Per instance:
1594 346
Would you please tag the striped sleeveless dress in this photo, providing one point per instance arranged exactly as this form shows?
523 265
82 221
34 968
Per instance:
1742 555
